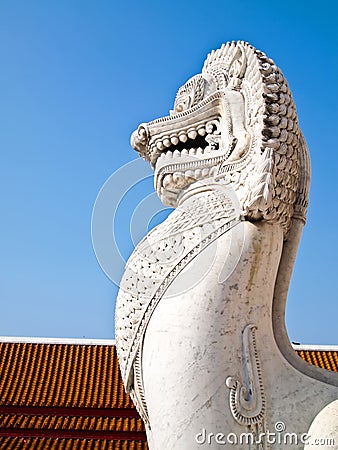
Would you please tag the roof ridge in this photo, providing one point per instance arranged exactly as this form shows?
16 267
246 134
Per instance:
55 340
315 347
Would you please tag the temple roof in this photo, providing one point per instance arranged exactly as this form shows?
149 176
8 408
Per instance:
68 394
323 356
56 395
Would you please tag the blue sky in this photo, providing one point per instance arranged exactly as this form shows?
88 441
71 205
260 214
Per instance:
76 78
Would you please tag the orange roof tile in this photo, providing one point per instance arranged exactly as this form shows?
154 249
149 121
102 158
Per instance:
61 375
19 443
65 396
325 359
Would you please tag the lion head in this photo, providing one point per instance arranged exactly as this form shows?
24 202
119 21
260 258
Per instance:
235 123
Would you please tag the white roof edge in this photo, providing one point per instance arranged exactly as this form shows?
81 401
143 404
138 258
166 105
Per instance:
55 340
314 347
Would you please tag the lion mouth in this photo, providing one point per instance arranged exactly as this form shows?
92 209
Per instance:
191 145
193 129
182 141
199 141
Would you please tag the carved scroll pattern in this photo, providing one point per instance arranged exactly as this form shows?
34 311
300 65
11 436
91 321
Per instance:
247 400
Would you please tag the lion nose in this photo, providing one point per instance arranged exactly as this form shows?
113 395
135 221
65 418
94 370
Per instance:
139 140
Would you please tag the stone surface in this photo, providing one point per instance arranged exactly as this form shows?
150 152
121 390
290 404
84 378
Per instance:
324 429
200 326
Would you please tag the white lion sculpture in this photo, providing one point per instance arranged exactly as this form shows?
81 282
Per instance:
200 329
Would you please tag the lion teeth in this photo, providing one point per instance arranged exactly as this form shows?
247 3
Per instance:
167 180
201 131
161 143
213 171
190 174
192 134
166 142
